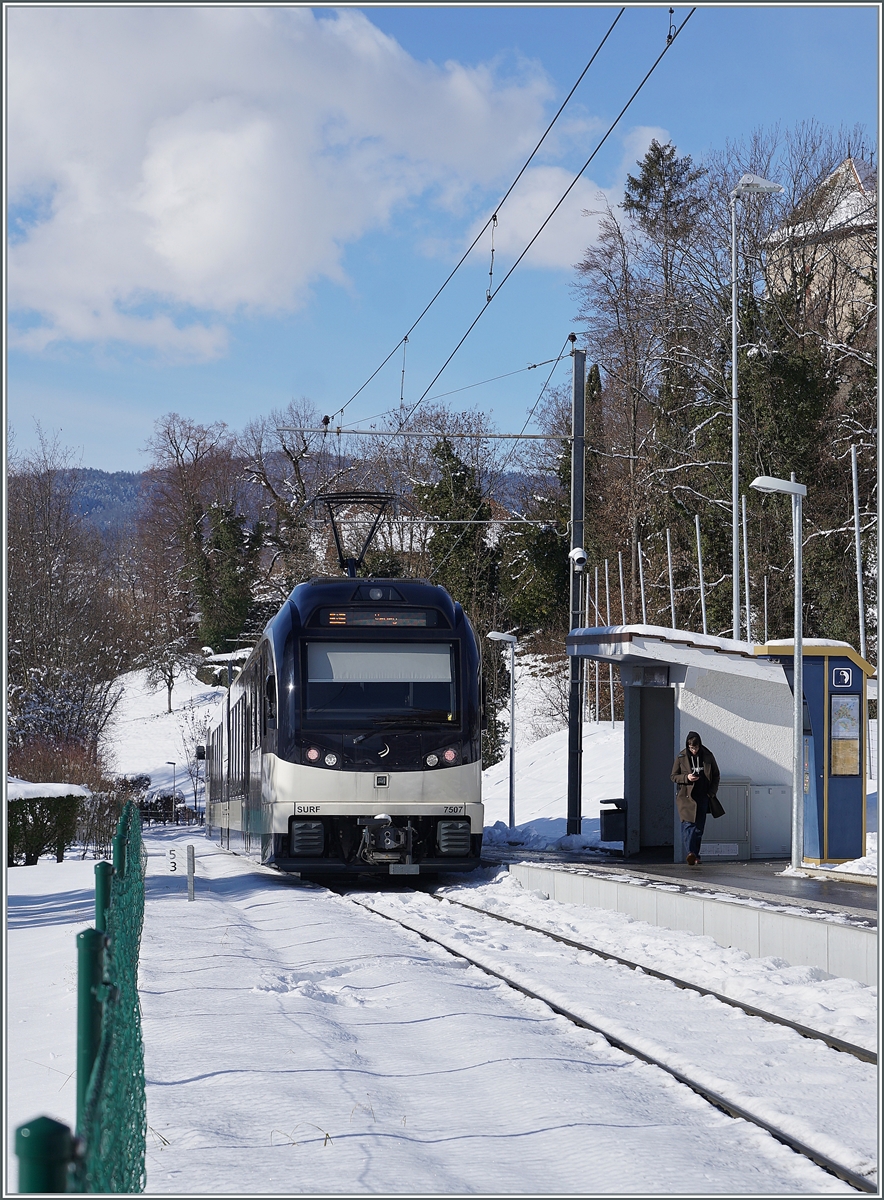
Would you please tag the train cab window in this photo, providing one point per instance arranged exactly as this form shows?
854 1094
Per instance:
289 697
368 681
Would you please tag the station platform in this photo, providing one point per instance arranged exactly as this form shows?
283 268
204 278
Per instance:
829 924
758 877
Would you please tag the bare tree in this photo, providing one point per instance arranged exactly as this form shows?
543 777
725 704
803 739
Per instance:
655 295
68 636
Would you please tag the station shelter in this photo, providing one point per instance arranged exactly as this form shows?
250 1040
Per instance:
836 745
738 697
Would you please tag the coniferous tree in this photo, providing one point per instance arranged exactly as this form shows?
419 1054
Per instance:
225 571
462 561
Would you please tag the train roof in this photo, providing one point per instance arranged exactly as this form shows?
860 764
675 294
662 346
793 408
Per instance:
337 589
322 590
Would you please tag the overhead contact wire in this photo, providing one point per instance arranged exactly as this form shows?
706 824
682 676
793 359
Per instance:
561 201
493 217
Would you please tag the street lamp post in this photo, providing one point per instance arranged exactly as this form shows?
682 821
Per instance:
508 637
747 185
788 487
169 763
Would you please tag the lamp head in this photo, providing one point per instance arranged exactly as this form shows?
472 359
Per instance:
502 637
769 483
754 183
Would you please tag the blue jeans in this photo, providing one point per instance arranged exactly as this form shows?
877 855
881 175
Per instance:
692 831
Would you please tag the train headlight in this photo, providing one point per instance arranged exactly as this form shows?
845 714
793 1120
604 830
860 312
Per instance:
313 755
449 756
331 759
432 760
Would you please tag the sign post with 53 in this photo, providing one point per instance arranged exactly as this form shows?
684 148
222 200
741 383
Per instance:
176 863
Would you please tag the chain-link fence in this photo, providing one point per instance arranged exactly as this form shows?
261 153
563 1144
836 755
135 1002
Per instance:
113 1125
108 1154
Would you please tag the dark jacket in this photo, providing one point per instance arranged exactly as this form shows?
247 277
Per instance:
706 785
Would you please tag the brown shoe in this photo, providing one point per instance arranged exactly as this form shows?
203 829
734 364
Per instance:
692 860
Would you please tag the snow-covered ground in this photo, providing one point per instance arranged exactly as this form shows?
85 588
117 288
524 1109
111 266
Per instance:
145 739
293 1044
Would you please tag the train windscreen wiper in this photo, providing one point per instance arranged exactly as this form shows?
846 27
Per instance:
440 715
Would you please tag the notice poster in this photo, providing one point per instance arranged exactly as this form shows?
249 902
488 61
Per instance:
844 736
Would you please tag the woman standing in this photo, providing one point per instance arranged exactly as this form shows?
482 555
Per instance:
697 775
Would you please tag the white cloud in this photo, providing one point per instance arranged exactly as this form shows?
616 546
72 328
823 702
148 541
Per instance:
574 225
568 232
173 166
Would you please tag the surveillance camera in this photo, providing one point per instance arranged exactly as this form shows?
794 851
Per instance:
578 558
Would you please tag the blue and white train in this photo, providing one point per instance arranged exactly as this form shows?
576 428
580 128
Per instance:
350 741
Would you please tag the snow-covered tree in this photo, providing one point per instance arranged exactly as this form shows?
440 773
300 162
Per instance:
69 636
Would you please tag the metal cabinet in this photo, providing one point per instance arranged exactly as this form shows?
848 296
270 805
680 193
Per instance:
770 821
728 836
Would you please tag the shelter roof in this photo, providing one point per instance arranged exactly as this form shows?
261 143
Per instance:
817 648
638 644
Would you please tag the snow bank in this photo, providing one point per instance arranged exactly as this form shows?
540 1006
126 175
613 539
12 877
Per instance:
20 789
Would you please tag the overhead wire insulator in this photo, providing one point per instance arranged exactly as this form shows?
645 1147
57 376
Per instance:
402 384
490 290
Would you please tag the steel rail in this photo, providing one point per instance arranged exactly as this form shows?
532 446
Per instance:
860 1182
835 1043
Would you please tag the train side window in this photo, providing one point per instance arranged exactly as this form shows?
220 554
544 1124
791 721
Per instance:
270 703
288 700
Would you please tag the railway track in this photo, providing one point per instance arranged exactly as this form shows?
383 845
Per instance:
860 1052
701 1081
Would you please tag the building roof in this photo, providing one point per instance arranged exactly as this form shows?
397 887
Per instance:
844 203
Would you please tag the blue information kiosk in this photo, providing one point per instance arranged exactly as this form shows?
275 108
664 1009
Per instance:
835 746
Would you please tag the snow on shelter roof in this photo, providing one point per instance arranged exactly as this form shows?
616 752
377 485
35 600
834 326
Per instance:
20 789
638 644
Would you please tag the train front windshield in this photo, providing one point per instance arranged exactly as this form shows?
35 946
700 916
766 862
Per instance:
360 683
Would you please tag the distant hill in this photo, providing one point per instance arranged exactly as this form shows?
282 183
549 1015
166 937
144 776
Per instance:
109 499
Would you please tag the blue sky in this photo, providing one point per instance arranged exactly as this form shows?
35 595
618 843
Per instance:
216 210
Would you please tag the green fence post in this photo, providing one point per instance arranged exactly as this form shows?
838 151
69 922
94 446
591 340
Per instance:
44 1148
90 954
104 873
120 852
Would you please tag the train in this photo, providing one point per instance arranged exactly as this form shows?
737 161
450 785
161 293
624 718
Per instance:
350 740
